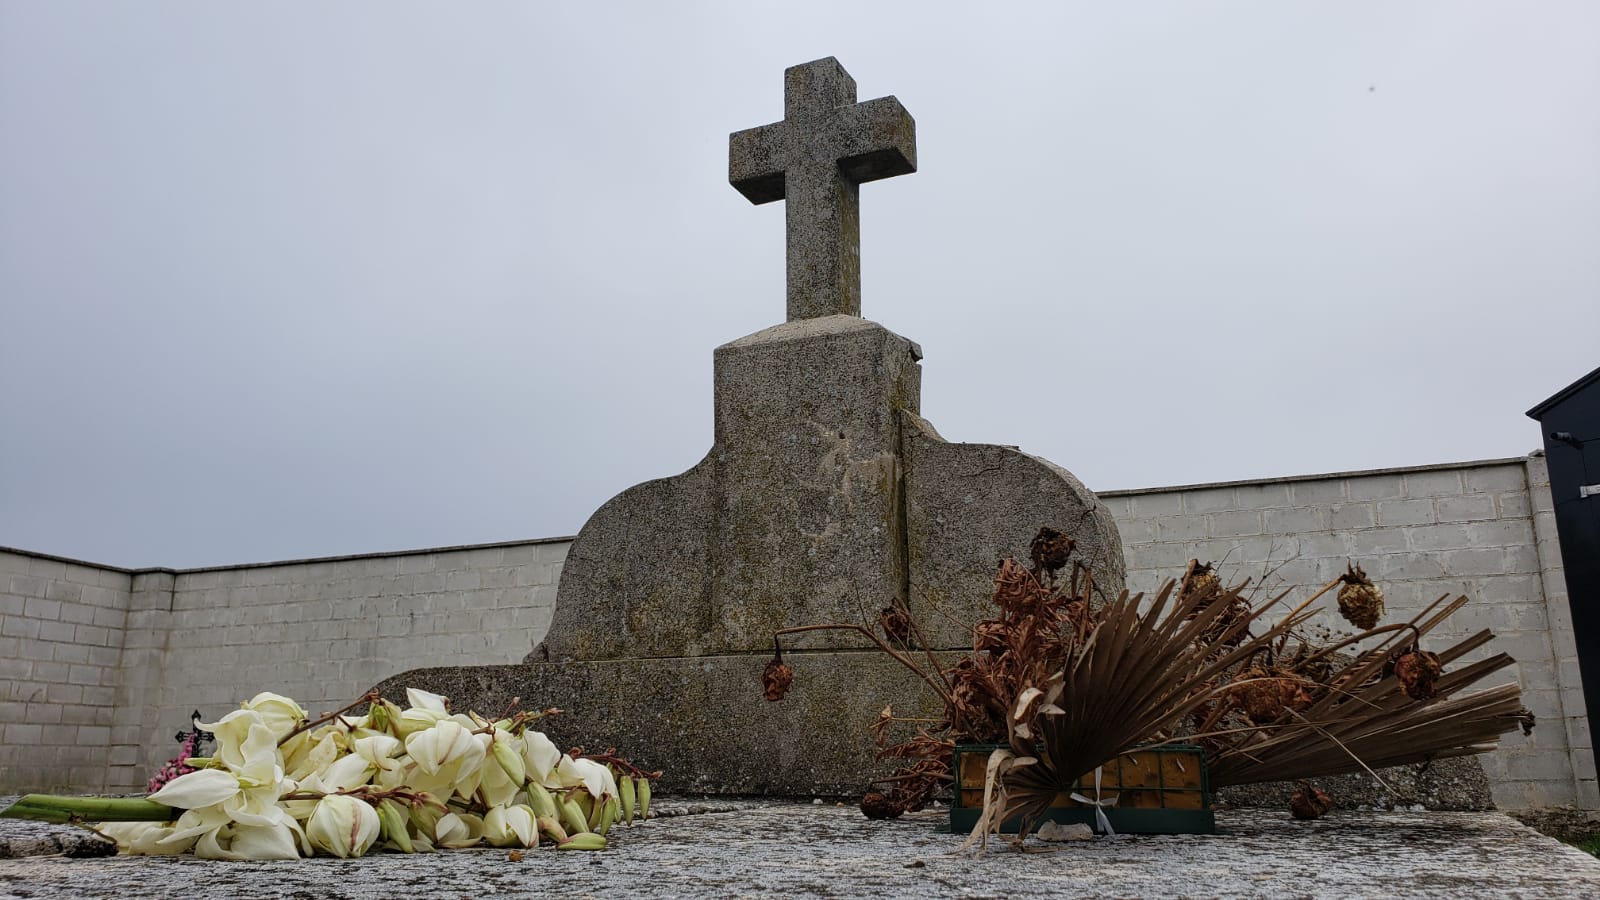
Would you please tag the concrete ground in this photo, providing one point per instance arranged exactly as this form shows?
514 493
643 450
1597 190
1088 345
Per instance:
756 849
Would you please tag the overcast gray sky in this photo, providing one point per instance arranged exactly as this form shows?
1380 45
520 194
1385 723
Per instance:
298 280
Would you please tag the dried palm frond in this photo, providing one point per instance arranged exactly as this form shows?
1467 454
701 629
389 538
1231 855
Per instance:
1370 718
1068 680
1134 675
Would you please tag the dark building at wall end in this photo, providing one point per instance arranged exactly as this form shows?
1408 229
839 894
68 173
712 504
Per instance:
1570 421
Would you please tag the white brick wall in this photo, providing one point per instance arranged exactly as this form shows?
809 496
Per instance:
1420 533
61 630
323 631
102 666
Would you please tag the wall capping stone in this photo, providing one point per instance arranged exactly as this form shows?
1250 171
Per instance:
1324 476
378 554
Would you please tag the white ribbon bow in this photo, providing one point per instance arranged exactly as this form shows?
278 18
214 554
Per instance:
1099 804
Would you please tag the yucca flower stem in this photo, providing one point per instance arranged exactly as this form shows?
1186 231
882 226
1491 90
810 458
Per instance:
59 809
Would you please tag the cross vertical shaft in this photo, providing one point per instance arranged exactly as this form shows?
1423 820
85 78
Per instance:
815 160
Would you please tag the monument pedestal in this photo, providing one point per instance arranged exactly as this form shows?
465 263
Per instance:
825 498
702 720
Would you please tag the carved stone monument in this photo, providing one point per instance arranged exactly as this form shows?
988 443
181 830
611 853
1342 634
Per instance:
825 498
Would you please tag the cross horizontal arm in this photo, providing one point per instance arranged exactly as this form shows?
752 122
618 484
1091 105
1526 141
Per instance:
756 162
876 139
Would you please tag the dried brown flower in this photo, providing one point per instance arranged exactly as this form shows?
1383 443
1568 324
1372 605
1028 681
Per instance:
1199 578
1309 802
880 728
896 623
1265 695
1418 671
1525 718
1221 631
989 636
1050 551
1014 586
1360 601
1200 582
776 679
1308 665
878 806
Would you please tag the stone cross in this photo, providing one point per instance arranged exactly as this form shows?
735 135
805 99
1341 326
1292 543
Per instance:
815 159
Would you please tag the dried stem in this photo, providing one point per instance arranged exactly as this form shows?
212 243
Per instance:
369 697
938 686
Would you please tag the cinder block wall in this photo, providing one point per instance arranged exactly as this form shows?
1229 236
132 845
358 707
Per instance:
61 635
1420 533
323 631
100 665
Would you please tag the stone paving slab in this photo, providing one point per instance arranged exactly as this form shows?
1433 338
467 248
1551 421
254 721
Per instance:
803 850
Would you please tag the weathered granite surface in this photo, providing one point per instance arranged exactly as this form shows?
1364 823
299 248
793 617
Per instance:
803 850
1458 783
825 498
969 506
703 720
794 517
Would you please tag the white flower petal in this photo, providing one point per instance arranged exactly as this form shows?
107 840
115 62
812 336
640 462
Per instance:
458 831
348 772
379 749
144 838
420 699
539 754
595 778
280 713
210 847
231 732
197 789
343 826
264 842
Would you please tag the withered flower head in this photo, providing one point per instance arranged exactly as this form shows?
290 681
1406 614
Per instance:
776 679
1050 551
1199 578
989 635
1014 586
1360 601
896 623
1309 802
1265 695
877 806
1418 672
